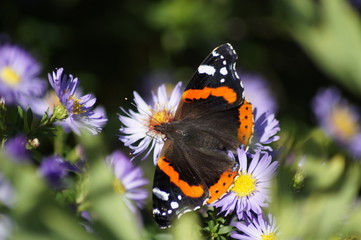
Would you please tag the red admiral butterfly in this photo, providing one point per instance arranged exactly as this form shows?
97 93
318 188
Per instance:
212 118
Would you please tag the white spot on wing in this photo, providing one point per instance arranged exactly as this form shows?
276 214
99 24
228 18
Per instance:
179 197
161 194
169 211
222 80
223 71
174 205
235 73
214 53
156 211
206 69
224 62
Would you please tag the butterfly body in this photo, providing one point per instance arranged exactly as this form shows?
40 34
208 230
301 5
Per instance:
212 120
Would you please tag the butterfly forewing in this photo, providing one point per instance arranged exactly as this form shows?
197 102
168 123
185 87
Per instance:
214 86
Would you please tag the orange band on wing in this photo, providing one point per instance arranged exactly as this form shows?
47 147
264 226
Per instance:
227 93
217 190
190 191
245 129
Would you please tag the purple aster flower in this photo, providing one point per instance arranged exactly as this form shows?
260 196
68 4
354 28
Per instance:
86 215
258 92
339 119
55 169
250 191
138 132
88 220
258 228
15 148
79 109
266 126
129 181
19 79
6 192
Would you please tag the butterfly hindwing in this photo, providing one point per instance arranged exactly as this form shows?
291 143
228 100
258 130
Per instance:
176 187
185 180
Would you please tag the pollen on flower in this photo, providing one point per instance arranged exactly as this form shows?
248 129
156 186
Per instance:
345 126
244 185
270 236
158 117
77 107
9 76
118 186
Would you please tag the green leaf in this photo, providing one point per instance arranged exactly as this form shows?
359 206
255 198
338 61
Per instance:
225 230
211 224
59 113
29 119
44 118
330 32
20 118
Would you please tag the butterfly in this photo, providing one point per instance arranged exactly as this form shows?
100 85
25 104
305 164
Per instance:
212 120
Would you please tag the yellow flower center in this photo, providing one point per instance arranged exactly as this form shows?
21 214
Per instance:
76 105
9 76
158 117
270 236
345 125
244 185
118 186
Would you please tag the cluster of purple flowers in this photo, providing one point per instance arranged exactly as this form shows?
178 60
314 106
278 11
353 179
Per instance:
250 192
21 85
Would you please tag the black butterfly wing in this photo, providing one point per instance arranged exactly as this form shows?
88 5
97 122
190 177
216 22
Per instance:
186 178
214 96
214 86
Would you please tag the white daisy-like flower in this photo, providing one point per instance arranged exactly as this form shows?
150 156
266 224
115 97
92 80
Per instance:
138 132
258 228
